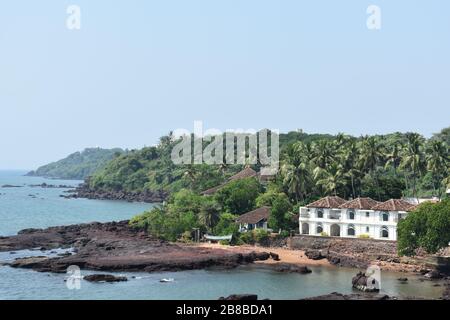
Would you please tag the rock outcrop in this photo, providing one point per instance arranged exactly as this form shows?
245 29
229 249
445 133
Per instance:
116 246
83 191
365 284
104 278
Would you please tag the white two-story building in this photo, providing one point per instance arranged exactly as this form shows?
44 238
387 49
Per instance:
361 217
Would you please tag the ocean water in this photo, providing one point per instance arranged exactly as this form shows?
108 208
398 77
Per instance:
29 207
35 207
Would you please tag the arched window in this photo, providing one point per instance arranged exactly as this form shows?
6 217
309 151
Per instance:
319 228
351 230
305 228
351 215
320 213
384 232
385 216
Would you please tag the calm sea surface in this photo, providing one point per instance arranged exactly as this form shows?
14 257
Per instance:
31 207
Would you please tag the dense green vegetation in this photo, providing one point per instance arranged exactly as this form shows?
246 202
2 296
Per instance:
311 166
78 165
428 227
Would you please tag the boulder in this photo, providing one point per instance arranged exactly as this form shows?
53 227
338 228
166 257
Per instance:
104 278
292 268
274 256
314 254
433 275
365 284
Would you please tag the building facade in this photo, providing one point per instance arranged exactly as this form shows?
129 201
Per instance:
256 219
358 218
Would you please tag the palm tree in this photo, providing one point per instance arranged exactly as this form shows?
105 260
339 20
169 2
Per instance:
332 178
323 154
295 171
372 154
413 157
349 159
209 214
437 163
394 158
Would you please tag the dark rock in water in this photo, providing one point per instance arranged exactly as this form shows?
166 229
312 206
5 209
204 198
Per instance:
10 186
104 278
292 268
365 284
240 297
12 252
315 255
274 256
29 262
433 275
354 296
403 279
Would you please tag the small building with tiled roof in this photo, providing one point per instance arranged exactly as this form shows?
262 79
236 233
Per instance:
246 173
256 219
360 217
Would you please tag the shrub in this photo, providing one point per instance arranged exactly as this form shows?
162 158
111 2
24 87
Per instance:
426 227
260 235
224 242
324 234
247 237
284 234
186 237
364 236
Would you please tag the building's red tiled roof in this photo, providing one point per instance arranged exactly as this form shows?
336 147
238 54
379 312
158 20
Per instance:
255 216
327 202
394 205
360 204
246 173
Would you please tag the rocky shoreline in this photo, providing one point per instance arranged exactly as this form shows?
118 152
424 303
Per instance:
83 191
117 247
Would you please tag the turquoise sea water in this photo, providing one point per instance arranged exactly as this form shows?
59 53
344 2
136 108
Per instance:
29 207
35 207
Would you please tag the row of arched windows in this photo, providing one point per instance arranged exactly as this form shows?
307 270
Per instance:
351 231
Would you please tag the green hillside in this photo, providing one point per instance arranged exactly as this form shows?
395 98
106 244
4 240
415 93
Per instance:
78 165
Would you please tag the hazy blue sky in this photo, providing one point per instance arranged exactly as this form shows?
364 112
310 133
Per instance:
138 69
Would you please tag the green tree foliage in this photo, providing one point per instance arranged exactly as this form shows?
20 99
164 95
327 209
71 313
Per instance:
239 196
426 227
280 217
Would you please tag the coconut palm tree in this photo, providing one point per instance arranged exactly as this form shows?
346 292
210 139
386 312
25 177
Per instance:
295 171
323 154
393 158
349 161
209 214
372 154
437 163
413 158
332 178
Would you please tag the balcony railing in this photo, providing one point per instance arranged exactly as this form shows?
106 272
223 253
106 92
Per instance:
334 216
305 215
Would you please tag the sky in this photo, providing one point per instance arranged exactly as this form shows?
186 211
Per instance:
139 69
